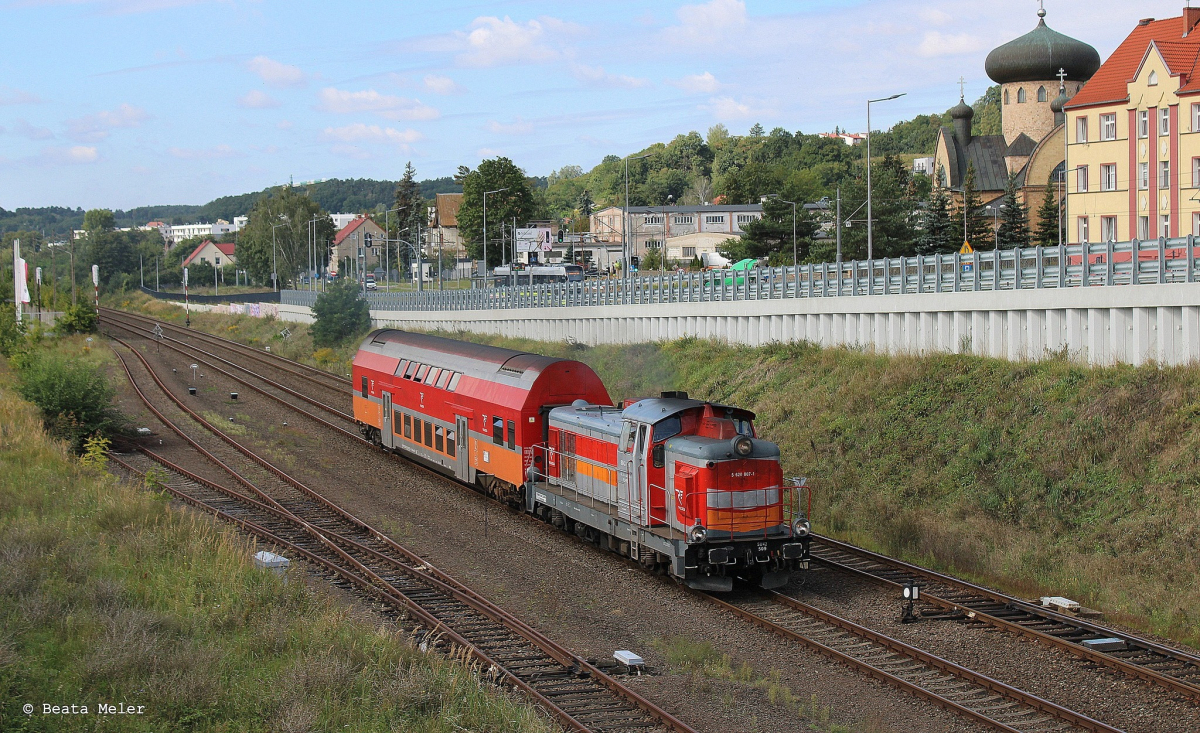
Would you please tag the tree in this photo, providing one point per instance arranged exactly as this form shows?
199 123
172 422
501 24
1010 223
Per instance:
772 234
978 229
1014 218
940 231
409 218
585 204
98 220
516 201
340 314
757 130
1049 216
290 245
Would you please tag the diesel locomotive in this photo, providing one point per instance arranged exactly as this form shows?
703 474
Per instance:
682 486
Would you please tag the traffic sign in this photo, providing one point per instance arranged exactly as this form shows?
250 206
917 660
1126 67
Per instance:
966 249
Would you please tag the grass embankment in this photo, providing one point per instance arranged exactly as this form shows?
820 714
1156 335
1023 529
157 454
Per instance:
1042 478
109 595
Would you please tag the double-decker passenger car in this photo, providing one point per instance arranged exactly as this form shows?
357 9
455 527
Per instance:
685 487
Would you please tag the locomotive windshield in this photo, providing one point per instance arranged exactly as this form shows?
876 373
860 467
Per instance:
668 428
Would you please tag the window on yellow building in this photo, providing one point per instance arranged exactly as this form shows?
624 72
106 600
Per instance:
1108 228
1196 118
1164 121
1164 175
1153 80
1196 224
1108 127
1195 172
1081 179
1083 230
1144 124
1164 225
1108 177
1081 130
1143 227
1143 176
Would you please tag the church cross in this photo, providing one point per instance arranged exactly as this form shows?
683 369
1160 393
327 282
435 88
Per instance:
962 87
1062 76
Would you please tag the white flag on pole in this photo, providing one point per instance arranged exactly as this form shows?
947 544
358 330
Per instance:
21 273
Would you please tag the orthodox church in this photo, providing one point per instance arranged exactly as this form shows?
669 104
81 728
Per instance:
1038 74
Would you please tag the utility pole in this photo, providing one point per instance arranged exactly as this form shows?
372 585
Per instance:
1062 182
73 291
838 222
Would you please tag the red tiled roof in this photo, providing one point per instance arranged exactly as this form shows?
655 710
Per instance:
1110 84
226 248
348 229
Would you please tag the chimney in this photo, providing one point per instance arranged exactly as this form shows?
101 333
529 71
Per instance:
1191 16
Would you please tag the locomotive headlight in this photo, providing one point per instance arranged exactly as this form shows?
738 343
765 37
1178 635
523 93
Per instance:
801 527
697 534
743 446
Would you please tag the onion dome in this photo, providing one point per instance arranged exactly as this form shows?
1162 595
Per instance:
962 114
1056 106
1038 56
962 110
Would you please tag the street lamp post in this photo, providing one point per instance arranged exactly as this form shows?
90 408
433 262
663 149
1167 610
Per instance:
662 246
870 221
628 251
996 221
795 249
274 256
485 262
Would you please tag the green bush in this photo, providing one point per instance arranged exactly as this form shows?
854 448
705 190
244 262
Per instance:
12 334
79 318
74 397
341 315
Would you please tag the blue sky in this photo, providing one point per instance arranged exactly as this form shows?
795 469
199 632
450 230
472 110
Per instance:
120 103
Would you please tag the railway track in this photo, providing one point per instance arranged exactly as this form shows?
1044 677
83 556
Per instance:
968 693
1155 663
291 516
1173 669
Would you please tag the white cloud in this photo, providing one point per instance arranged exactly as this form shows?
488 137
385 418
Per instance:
935 44
496 42
216 153
704 83
596 75
93 128
439 84
74 154
363 133
257 99
933 16
518 127
276 74
24 129
728 108
489 153
707 22
8 95
390 107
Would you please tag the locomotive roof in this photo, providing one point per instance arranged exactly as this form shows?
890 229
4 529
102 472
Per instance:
651 410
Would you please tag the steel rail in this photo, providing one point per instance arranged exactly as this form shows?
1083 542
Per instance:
267 380
991 607
276 361
426 574
993 687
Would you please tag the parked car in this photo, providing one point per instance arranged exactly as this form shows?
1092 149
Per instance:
369 281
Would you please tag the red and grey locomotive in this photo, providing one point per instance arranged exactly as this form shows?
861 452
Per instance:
683 486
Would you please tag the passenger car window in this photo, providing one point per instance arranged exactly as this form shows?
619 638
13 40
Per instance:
408 426
429 434
421 373
454 381
444 378
396 422
450 439
498 430
401 367
438 438
512 434
412 367
364 386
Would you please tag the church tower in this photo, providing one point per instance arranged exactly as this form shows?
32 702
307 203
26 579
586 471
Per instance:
1027 70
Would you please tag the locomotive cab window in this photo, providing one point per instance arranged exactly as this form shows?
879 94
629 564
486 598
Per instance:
668 428
364 386
743 427
659 455
450 440
408 426
629 435
641 442
498 430
439 437
512 434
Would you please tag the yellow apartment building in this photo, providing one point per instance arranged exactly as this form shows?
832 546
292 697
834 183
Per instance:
1133 158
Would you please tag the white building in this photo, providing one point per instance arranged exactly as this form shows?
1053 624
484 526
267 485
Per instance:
649 226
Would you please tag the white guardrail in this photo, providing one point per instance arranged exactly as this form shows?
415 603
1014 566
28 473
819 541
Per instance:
1070 266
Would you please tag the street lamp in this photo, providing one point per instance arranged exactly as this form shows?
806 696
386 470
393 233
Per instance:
387 231
996 221
628 253
795 259
274 260
485 262
662 247
870 221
